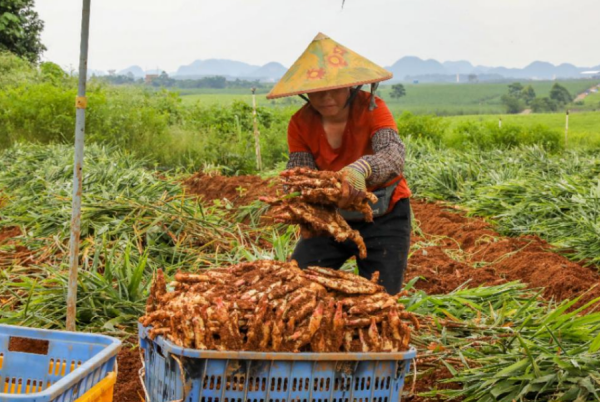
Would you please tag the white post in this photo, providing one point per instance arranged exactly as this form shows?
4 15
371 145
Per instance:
81 103
500 122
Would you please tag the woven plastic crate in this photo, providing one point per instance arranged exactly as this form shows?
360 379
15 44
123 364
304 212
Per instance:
72 364
174 373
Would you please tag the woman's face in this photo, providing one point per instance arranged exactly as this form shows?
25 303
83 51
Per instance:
329 103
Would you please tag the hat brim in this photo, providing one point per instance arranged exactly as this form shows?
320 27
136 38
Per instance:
330 88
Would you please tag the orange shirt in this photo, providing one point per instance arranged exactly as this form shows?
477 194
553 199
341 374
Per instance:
306 134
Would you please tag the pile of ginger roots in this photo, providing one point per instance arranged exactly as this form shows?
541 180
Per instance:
313 202
272 306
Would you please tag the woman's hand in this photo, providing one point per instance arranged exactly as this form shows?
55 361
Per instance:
354 185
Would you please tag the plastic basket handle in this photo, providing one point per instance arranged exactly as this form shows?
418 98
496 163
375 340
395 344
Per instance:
142 376
182 377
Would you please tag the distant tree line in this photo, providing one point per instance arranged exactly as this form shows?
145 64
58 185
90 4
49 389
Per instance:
451 78
521 97
120 79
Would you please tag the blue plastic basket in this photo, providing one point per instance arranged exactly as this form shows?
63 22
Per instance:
174 373
75 362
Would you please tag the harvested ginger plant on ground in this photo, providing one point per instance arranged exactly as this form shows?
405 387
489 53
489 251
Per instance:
314 199
277 307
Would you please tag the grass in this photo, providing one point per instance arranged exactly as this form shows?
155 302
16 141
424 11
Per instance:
228 99
584 127
220 99
592 100
455 99
502 343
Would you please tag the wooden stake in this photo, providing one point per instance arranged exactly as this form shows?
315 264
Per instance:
256 132
566 128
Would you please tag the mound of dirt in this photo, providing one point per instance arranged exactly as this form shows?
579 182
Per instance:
240 190
469 249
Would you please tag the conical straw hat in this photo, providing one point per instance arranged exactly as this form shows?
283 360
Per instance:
326 64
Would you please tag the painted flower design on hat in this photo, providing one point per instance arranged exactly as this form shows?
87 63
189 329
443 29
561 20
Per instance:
315 73
339 50
336 60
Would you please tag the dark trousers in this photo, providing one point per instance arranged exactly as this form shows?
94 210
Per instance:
387 239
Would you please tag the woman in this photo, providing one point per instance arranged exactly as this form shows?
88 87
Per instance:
344 128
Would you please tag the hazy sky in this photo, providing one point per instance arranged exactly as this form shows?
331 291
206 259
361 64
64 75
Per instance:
167 34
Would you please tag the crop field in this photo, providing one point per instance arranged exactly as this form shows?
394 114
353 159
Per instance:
592 100
458 99
584 127
441 99
209 98
502 312
500 299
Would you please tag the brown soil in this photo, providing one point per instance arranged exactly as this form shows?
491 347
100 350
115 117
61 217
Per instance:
8 233
27 345
13 252
240 190
469 249
129 387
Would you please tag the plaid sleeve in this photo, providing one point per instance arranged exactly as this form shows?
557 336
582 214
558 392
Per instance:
388 160
301 159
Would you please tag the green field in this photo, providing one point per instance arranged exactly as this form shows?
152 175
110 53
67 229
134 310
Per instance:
584 127
458 99
498 343
440 99
592 100
136 220
208 98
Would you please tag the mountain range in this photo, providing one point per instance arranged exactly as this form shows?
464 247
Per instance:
230 69
415 67
407 68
